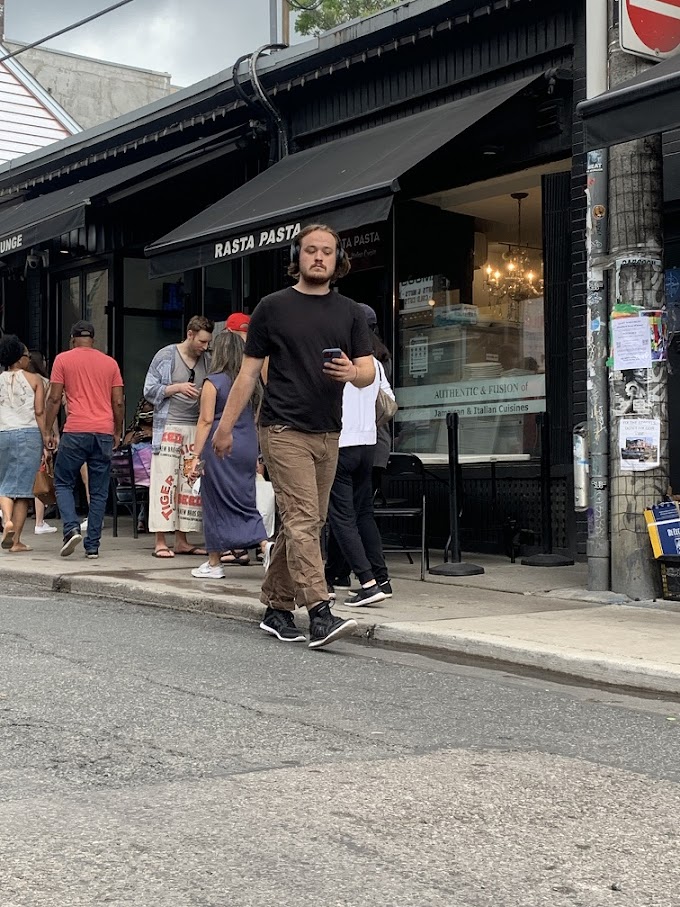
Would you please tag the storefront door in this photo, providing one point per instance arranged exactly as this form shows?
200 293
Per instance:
83 294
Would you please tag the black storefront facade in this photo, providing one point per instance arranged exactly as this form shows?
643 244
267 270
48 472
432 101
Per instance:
412 138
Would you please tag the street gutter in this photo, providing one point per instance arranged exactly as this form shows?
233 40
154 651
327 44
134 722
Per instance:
493 651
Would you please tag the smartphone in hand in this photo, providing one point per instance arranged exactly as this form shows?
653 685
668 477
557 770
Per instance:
332 353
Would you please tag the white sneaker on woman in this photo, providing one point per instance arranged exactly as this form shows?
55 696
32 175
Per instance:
205 571
44 529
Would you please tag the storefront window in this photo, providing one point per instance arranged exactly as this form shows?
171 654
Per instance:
144 334
96 303
472 341
70 307
219 291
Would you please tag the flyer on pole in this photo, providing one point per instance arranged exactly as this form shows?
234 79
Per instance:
632 343
639 444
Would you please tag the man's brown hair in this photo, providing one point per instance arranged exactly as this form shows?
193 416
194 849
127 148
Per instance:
343 266
200 323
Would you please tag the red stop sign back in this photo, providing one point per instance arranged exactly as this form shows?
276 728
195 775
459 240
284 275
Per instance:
656 23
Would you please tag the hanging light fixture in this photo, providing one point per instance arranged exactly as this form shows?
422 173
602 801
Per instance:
515 278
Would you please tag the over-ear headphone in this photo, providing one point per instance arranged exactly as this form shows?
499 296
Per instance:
340 254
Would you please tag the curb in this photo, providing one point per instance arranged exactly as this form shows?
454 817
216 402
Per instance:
584 595
495 651
618 672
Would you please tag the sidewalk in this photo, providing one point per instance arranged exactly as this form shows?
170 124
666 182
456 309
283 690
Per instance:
540 618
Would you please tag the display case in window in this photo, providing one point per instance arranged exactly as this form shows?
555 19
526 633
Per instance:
474 360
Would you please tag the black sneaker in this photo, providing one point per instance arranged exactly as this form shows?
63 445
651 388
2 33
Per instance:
342 582
325 627
280 624
386 588
92 555
331 591
366 596
71 542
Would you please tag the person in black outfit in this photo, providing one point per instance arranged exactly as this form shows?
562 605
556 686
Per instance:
300 422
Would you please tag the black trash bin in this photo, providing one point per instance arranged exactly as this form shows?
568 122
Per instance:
669 565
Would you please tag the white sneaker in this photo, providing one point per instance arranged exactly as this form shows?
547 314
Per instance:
83 525
44 529
267 556
205 571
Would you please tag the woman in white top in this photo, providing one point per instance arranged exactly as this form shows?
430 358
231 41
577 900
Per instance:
22 404
354 537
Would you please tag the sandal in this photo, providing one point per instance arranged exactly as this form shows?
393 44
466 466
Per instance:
163 554
237 557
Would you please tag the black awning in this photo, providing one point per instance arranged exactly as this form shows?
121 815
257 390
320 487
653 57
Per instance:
373 211
267 211
644 105
55 213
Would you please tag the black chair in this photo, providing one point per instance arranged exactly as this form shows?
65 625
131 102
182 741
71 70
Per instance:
405 467
124 492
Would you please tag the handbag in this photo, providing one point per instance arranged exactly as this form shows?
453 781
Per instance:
43 484
385 407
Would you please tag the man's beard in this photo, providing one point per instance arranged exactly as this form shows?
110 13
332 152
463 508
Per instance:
316 277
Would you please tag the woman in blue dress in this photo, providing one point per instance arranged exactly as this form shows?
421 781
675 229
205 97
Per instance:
231 521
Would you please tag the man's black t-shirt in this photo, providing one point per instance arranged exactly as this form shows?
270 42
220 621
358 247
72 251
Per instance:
293 329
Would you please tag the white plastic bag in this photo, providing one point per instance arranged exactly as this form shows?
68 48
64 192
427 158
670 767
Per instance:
266 503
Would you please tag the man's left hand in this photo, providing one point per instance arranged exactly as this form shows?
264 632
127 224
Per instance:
341 369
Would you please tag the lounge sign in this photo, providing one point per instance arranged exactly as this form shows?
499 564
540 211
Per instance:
11 243
267 238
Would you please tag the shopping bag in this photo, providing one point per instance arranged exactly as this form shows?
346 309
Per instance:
43 485
265 501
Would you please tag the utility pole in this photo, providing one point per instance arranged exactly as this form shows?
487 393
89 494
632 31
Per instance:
597 312
273 21
636 277
285 22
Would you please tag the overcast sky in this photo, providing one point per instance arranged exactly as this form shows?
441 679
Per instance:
190 39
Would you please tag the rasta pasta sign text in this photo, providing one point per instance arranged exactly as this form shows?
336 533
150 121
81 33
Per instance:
252 242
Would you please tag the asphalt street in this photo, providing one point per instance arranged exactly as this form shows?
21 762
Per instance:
166 759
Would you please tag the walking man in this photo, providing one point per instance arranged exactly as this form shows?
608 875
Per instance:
300 422
92 384
173 385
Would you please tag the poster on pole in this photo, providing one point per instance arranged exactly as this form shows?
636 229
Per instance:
632 394
639 444
632 343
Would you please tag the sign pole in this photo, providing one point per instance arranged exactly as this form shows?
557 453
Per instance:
455 567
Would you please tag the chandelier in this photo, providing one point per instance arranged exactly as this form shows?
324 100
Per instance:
514 279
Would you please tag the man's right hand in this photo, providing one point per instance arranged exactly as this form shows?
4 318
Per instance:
222 443
188 389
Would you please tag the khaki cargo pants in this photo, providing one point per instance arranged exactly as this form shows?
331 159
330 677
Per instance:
301 467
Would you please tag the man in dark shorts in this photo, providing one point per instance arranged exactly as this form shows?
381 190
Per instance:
300 422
